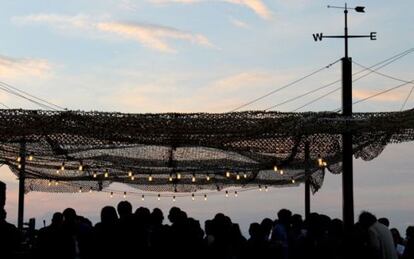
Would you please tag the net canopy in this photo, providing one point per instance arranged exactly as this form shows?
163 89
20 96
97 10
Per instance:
177 152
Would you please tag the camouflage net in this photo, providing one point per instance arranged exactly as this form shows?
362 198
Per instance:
175 152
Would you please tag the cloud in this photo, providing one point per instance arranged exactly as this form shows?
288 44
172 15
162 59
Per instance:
149 35
396 96
238 23
15 68
257 6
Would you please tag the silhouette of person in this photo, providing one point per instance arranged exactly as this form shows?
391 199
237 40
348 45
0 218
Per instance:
9 237
49 240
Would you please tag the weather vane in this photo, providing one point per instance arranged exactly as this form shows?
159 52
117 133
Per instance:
346 36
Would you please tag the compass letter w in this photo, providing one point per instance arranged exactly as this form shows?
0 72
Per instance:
317 36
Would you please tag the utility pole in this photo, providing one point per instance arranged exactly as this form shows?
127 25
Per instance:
22 178
307 180
347 150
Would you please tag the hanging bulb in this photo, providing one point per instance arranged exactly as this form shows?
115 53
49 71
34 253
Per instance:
245 175
80 189
170 179
178 176
30 157
90 190
275 168
208 177
132 178
173 198
192 196
94 174
293 180
237 177
150 178
57 171
320 161
56 183
49 183
266 189
159 197
324 164
106 173
80 167
260 188
193 179
281 172
19 166
143 197
227 174
129 173
125 195
205 197
62 167
18 159
112 194
227 193
235 194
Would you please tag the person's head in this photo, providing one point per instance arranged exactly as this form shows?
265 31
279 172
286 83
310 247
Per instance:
384 221
174 214
3 215
157 216
143 215
57 218
124 209
266 225
410 232
108 215
255 231
396 236
69 215
284 216
367 219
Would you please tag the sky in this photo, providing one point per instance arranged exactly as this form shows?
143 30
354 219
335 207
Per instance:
210 56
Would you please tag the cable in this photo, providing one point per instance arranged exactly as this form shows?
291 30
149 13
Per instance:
26 98
2 104
387 61
285 86
406 99
6 85
381 74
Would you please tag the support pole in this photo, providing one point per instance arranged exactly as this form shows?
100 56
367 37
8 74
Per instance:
22 178
307 180
347 152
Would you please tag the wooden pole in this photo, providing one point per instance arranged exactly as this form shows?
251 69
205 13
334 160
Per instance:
307 180
22 178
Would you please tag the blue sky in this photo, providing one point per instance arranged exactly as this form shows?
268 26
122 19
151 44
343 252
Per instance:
197 55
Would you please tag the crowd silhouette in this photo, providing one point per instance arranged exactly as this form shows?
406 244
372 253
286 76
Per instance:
122 233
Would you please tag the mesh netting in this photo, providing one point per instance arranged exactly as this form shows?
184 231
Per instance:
187 152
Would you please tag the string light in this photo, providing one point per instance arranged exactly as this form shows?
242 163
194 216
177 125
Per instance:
245 175
227 174
260 188
293 181
178 176
275 168
170 178
94 174
205 197
19 166
159 197
193 179
125 195
266 189
235 194
143 197
237 177
129 173
132 178
106 173
80 189
62 167
90 190
18 159
56 183
150 178
57 171
192 196
173 198
112 194
227 193
31 157
80 167
325 164
208 177
49 183
320 161
281 172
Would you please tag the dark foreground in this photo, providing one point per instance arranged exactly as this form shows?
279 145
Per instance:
123 234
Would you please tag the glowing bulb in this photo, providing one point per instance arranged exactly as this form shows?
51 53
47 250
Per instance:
112 194
178 176
129 174
320 161
19 166
193 179
80 167
235 194
245 176
281 172
227 174
293 180
106 174
208 178
57 171
94 175
49 183
150 178
173 198
159 197
325 164
62 167
56 183
227 193
90 190
30 157
238 177
124 195
192 196
260 188
132 178
266 189
170 178
19 159
275 168
143 197
205 197
80 189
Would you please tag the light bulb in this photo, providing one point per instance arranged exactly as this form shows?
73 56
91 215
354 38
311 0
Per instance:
281 172
227 174
320 161
19 166
227 193
106 174
19 159
173 198
192 196
80 189
238 177
245 176
208 178
178 176
325 164
193 179
94 175
112 194
143 197
260 188
80 167
235 194
56 183
125 195
265 188
129 174
170 178
49 183
150 178
293 180
57 171
275 168
205 197
159 197
62 167
132 178
30 157
90 190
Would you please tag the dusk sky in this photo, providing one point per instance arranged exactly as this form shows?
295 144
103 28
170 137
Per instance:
210 56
